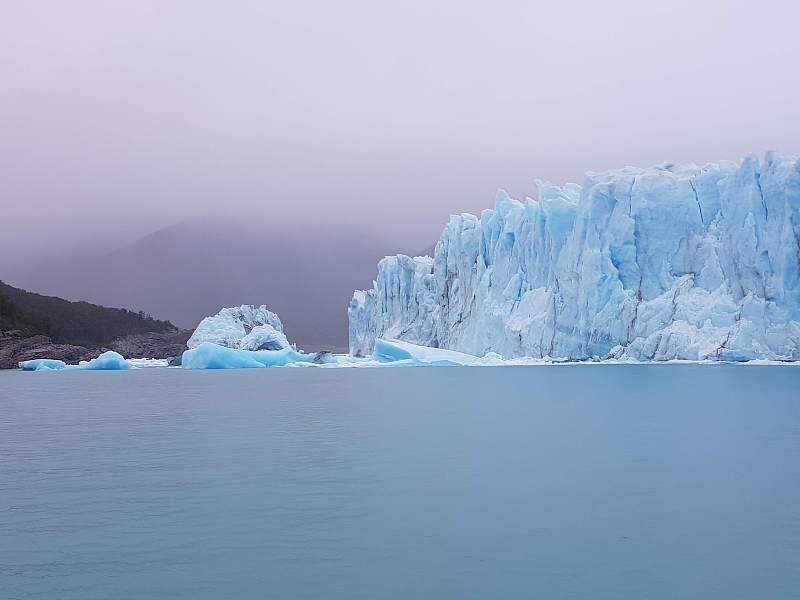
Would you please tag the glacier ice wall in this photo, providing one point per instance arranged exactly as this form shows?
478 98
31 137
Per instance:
671 262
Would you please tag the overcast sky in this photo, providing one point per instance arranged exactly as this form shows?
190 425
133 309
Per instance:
126 115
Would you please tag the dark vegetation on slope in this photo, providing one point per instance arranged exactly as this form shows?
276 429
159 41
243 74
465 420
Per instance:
76 323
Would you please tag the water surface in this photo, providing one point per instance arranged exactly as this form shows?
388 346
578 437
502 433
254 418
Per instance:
663 481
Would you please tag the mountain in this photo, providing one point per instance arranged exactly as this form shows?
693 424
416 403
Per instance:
671 262
191 270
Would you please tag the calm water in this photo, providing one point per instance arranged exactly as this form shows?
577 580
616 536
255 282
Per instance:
547 482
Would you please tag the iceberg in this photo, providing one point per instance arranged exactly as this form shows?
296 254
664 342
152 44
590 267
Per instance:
242 337
242 327
665 263
107 361
43 364
209 355
388 350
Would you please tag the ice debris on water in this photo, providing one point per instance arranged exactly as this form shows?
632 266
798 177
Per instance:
107 361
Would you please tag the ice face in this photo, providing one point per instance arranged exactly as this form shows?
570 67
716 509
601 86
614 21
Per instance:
671 262
244 327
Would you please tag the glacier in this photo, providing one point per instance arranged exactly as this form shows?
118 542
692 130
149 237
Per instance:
243 327
665 263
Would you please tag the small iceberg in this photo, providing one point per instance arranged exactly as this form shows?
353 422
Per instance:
43 364
107 361
389 350
209 355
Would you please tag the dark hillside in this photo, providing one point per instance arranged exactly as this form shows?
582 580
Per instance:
64 322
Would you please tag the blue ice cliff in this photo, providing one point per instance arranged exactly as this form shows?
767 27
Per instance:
671 262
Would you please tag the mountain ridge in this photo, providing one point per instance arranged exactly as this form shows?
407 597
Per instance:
189 270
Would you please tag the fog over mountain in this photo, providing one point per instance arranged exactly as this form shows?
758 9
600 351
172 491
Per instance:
125 116
341 131
190 270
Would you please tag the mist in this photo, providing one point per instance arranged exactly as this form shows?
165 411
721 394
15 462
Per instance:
117 119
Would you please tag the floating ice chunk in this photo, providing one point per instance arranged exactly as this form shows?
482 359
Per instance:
395 350
213 356
107 361
148 363
43 364
280 358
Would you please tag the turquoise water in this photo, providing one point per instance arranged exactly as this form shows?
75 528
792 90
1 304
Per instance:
664 481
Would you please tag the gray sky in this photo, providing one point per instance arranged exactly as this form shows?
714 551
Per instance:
127 115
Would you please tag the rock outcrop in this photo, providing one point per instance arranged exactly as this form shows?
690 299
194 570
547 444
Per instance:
15 348
152 345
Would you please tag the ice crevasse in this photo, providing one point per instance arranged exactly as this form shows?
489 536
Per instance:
670 262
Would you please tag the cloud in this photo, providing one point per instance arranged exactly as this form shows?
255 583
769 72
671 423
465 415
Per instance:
122 117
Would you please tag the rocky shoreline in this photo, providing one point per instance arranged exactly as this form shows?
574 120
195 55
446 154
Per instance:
15 348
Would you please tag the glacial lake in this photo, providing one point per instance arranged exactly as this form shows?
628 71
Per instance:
580 481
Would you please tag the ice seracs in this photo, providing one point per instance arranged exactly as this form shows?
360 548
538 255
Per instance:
672 262
243 327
